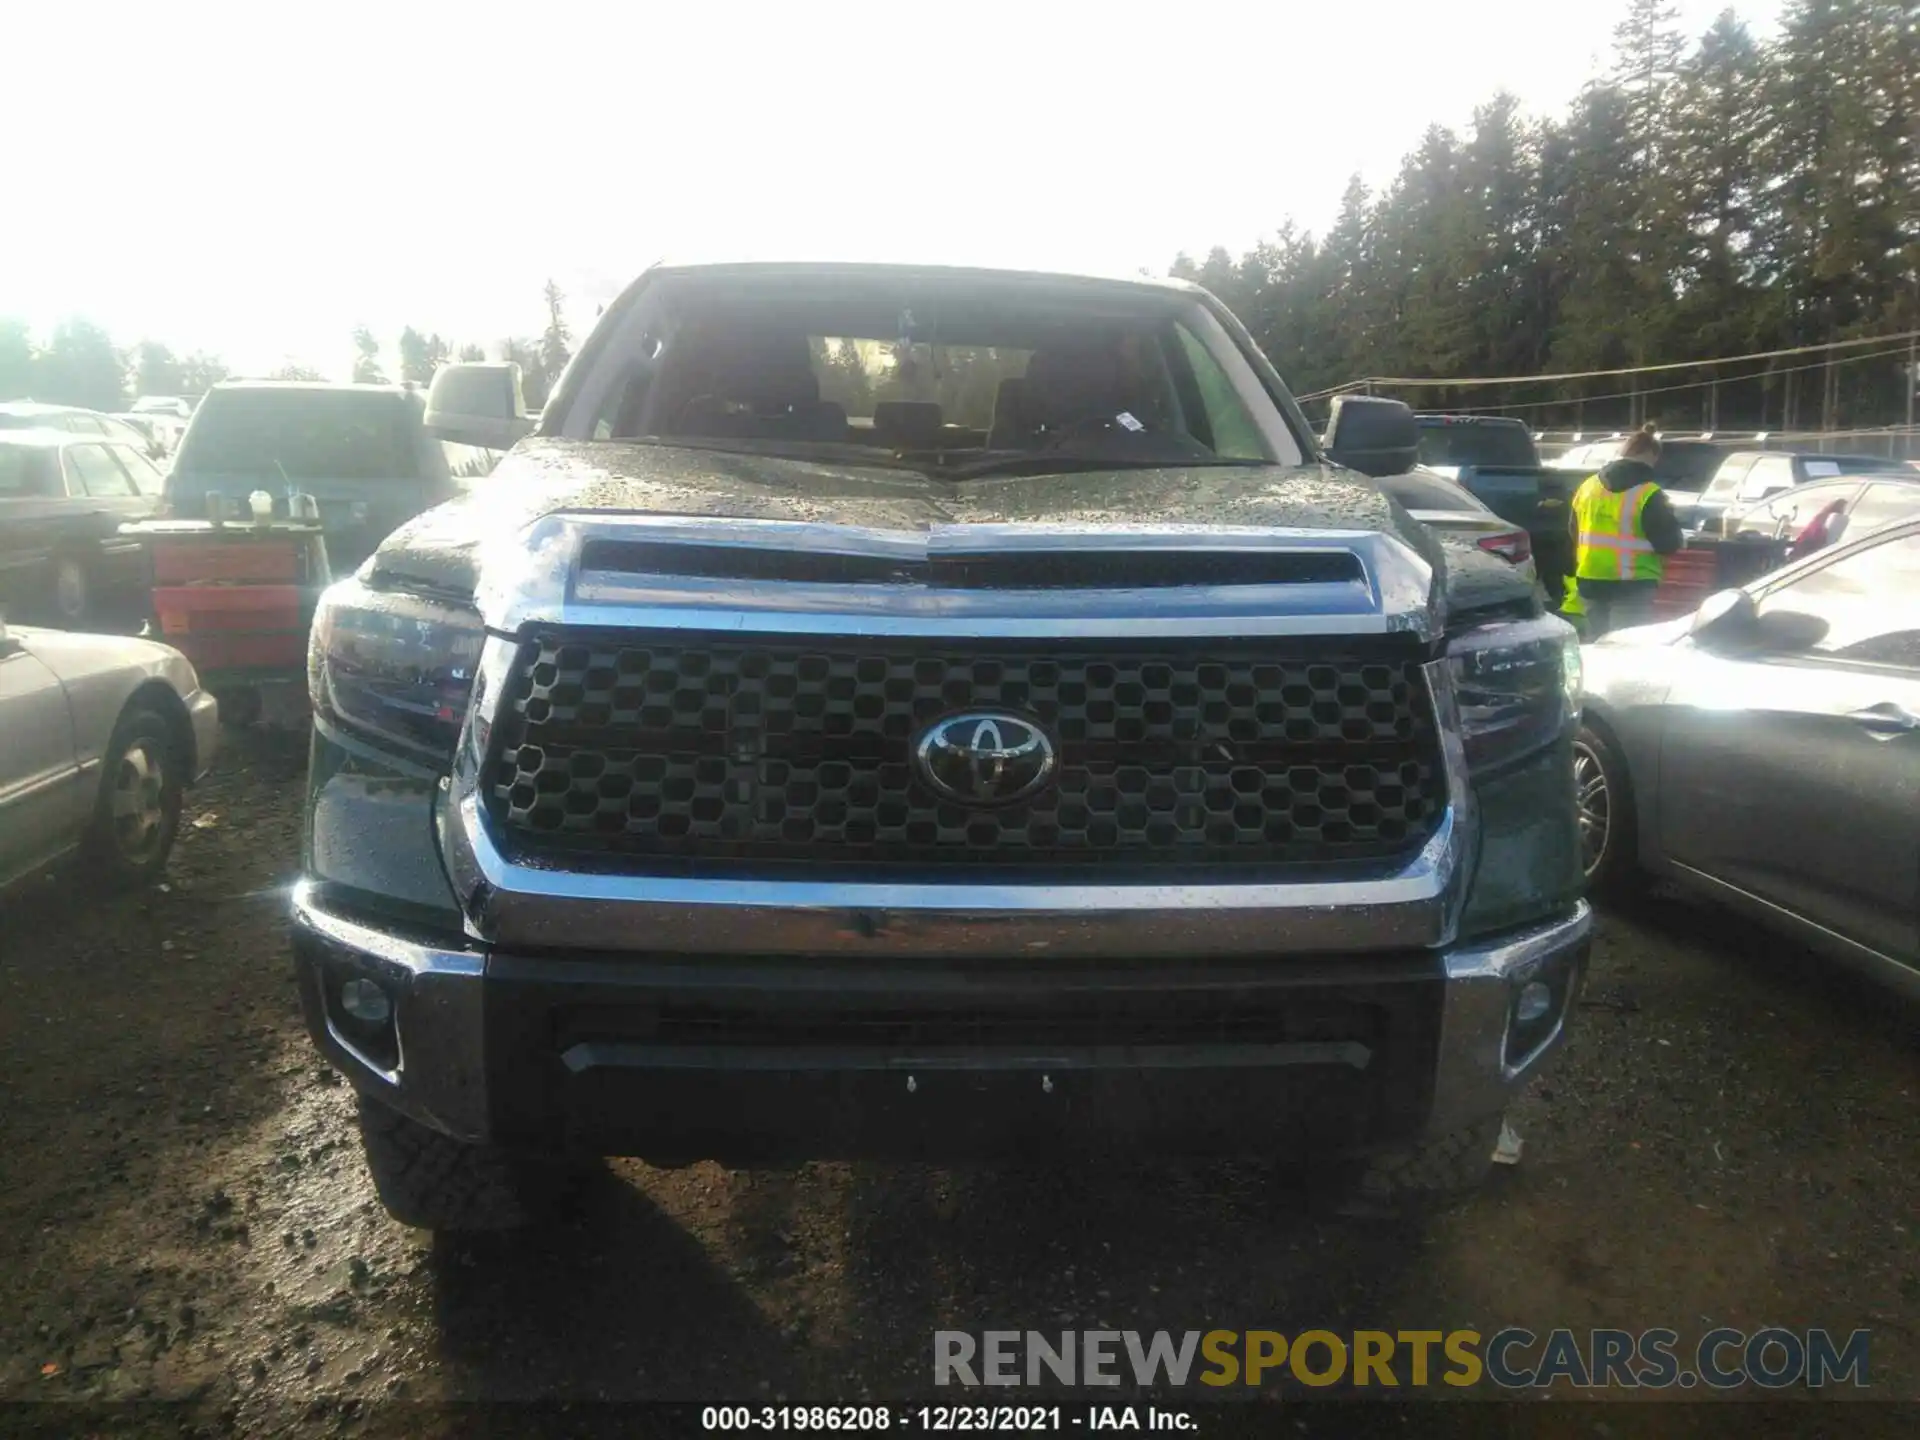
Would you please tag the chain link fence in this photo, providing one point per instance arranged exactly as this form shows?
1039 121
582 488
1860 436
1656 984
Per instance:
1894 442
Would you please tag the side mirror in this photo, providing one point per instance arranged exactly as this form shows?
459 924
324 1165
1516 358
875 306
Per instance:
478 404
1727 617
1376 437
1730 621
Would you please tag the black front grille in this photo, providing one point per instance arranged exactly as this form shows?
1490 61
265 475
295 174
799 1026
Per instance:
704 749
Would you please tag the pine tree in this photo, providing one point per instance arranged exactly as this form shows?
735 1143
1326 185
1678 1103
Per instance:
366 365
16 360
1717 184
420 356
200 372
414 365
556 339
81 367
535 383
155 369
1496 235
1648 47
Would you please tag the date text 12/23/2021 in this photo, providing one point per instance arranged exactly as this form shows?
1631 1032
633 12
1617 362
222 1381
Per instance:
946 1419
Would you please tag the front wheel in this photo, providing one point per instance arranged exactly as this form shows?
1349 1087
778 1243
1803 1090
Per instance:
137 814
1603 795
1435 1169
432 1182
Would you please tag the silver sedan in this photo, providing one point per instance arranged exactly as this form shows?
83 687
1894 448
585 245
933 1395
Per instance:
99 737
1765 752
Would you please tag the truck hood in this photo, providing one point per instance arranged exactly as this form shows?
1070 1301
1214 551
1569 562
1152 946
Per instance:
440 552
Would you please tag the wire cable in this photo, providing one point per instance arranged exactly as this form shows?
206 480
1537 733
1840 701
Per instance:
1668 389
1412 381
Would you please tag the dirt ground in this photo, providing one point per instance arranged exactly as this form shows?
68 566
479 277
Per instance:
1730 1139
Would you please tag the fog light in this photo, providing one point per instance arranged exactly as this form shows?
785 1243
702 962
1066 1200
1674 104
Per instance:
1534 1000
368 1003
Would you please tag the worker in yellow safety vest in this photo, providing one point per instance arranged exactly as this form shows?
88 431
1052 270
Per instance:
1571 610
1622 526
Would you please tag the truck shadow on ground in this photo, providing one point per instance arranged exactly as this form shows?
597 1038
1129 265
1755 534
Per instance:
829 1282
614 1300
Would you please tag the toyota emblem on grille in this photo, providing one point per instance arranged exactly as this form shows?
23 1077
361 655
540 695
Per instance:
985 759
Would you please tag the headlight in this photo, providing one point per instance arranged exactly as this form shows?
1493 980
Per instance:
393 669
1517 686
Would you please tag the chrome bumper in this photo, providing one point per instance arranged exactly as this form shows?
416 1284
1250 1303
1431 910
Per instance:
441 1074
1483 1058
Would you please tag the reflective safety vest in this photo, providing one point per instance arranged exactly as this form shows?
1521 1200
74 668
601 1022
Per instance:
1612 546
1571 605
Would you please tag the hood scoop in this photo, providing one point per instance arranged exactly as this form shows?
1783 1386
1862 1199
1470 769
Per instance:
746 562
966 580
1080 568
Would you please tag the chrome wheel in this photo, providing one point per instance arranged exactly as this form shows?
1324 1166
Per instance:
1594 802
70 591
138 804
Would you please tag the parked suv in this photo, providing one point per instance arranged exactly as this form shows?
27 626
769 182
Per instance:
362 451
1495 459
911 712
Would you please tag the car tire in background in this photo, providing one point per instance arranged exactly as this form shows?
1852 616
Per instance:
432 1182
239 706
70 593
137 815
1609 851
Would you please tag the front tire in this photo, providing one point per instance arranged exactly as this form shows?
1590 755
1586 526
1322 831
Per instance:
1603 794
1441 1168
432 1182
142 784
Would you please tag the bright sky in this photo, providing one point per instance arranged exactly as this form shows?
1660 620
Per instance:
256 179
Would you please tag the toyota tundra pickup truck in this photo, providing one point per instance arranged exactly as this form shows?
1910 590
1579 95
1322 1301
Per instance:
903 712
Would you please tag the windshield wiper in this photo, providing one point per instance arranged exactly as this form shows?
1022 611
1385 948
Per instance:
827 452
1066 462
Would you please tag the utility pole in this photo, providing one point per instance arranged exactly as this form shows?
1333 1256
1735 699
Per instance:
1913 382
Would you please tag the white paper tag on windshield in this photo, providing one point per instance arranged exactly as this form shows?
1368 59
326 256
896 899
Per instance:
1128 422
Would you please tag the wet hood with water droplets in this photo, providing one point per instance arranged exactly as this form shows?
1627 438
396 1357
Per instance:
439 551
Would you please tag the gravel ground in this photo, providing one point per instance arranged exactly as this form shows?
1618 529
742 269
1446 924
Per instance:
1730 1139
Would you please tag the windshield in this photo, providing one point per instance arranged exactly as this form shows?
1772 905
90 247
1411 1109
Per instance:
1429 492
23 472
955 378
1859 465
302 435
1687 464
1477 444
